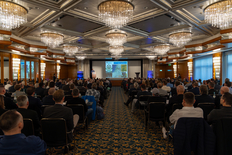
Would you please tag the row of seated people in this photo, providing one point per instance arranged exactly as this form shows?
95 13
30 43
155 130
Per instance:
58 110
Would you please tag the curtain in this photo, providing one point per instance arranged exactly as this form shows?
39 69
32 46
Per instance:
203 68
86 69
227 66
145 67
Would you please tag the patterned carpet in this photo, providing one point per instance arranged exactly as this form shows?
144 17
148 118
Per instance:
120 132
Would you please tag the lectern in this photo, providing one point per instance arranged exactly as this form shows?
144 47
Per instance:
137 74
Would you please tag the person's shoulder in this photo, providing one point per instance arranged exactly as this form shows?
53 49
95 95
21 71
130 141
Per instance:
198 109
33 140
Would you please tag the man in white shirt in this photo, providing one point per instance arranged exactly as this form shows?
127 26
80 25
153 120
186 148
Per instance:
8 85
188 110
165 87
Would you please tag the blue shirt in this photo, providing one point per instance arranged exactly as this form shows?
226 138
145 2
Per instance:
19 144
170 85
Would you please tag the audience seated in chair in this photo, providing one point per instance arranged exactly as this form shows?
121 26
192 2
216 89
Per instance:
224 112
40 90
228 84
71 87
195 89
223 90
169 84
188 110
178 99
135 88
18 91
51 85
93 92
173 90
9 84
135 101
13 141
48 100
77 100
60 111
204 97
211 86
161 91
34 103
11 88
165 87
22 102
9 104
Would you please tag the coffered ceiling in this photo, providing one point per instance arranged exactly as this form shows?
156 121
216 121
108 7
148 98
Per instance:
78 21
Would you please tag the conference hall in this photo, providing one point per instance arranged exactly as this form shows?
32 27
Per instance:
139 77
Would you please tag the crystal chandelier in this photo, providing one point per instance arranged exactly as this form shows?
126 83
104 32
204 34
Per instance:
180 39
219 13
70 49
116 37
116 13
116 50
151 57
12 14
80 57
161 49
52 39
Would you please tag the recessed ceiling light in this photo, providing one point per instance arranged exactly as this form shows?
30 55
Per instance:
146 7
85 8
37 8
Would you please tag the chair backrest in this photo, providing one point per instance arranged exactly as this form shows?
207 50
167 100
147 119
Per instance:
43 107
144 97
54 131
207 108
28 128
157 99
78 109
156 110
134 92
222 129
193 135
177 106
68 97
82 92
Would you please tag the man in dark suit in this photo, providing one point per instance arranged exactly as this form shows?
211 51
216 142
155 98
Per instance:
223 90
22 102
173 90
204 98
48 100
71 87
51 85
178 99
211 86
60 111
195 89
34 103
135 102
12 89
224 112
9 104
66 86
40 90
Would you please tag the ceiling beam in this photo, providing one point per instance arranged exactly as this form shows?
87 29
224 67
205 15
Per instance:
64 31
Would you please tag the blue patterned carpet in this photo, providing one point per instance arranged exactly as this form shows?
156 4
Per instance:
120 132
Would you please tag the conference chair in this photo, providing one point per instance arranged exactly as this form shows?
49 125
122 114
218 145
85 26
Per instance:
157 99
79 110
207 108
54 132
176 106
143 101
68 97
82 92
134 93
222 129
154 112
28 127
43 107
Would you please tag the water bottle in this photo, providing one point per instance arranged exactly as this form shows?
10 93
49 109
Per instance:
35 95
170 95
214 95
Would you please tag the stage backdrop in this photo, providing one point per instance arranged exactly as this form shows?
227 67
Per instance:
128 68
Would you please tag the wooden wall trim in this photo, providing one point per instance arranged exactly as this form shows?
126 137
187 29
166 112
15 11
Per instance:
226 41
212 40
19 42
5 32
3 42
193 45
226 31
18 49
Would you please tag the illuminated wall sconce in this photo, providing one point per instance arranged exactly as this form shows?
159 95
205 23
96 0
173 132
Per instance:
16 68
190 70
217 66
42 69
58 71
175 70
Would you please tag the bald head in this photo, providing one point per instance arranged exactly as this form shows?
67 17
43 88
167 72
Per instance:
224 89
51 91
180 89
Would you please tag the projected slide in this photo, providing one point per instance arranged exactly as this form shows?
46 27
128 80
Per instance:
116 69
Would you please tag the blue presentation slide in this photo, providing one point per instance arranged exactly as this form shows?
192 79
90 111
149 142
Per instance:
116 69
